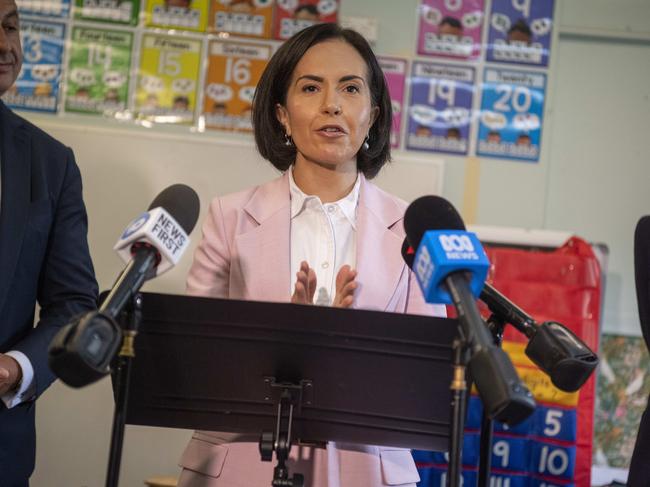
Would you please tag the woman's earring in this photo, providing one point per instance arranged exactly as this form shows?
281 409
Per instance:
366 145
287 140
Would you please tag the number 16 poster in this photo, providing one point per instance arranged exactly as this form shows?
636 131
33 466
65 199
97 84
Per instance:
231 79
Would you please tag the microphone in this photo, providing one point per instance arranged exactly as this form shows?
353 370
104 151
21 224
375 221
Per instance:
554 348
450 266
81 352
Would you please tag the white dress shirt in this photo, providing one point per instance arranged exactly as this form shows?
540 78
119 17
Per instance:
323 235
26 390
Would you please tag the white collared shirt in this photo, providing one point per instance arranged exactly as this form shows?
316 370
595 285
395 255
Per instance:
323 235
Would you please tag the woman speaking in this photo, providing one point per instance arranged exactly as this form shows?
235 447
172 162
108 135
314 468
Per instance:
320 233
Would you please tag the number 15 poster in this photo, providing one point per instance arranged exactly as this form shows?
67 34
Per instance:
169 68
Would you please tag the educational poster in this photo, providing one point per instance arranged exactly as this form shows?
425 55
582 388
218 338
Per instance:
623 390
98 70
167 78
395 73
112 11
292 16
177 14
520 31
252 18
234 70
440 108
37 86
60 9
512 110
451 28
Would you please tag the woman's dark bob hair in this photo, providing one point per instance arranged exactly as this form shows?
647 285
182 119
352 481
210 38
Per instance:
274 84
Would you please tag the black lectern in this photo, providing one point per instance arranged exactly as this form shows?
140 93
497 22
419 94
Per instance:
354 376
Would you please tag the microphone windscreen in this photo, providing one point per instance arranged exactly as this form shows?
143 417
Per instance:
430 213
181 202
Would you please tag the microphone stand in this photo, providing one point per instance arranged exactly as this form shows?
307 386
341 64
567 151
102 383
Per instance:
131 318
458 402
496 325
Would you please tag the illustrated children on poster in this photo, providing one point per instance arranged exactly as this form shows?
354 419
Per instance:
520 31
292 16
233 72
395 74
251 18
98 70
59 9
112 11
166 88
512 108
451 28
440 108
177 14
37 86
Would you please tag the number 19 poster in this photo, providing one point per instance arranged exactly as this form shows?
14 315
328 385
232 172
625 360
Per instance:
169 68
440 108
233 72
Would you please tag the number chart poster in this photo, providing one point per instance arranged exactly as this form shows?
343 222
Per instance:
38 84
292 16
440 108
253 18
233 73
451 28
395 73
520 31
512 107
177 14
169 68
98 70
113 11
540 451
49 8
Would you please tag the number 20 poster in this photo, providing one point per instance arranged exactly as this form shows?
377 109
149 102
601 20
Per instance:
512 108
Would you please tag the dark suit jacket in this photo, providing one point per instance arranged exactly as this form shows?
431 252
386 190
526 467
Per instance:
43 257
640 462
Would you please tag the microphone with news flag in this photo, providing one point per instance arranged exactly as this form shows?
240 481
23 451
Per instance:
81 352
553 347
451 267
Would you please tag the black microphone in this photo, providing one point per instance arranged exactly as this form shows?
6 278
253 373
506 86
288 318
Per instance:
554 348
81 352
504 396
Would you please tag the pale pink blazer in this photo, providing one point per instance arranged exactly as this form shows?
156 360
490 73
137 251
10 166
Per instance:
244 254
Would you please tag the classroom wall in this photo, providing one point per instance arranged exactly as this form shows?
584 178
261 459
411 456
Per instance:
592 179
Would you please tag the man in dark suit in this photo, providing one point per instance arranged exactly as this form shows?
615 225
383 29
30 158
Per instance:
640 462
44 258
